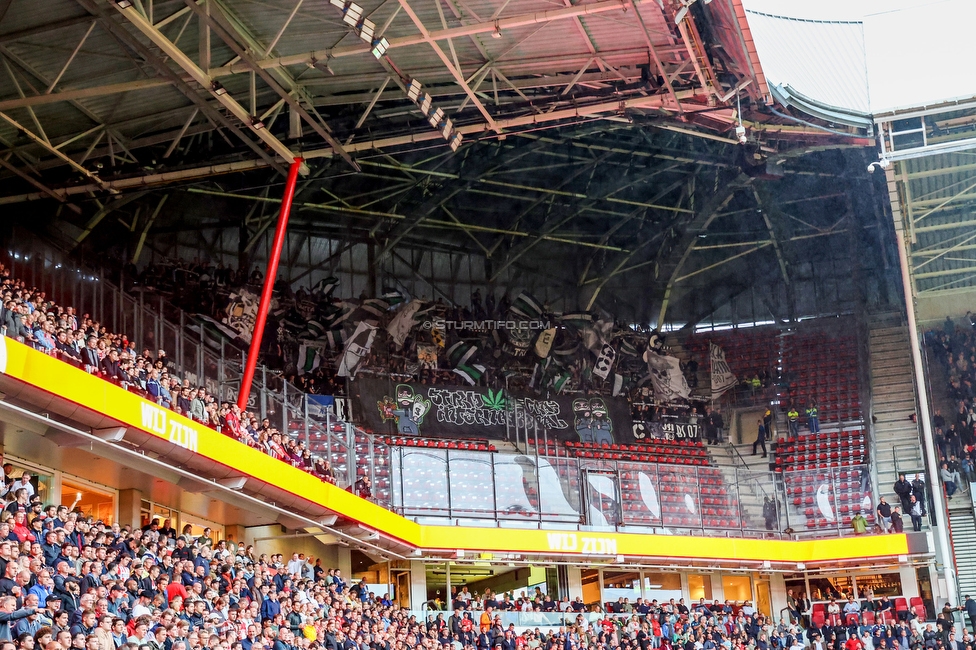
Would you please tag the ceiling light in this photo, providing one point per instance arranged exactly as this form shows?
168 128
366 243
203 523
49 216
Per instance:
455 141
436 117
341 4
256 123
123 4
380 46
446 128
352 14
498 32
366 30
413 91
217 88
425 104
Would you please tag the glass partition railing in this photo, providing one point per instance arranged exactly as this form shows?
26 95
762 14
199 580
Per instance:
515 489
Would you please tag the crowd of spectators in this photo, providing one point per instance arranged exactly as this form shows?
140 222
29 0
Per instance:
954 349
69 582
29 316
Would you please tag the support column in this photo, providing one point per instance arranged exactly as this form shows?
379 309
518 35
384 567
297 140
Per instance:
130 508
418 584
271 273
941 533
570 582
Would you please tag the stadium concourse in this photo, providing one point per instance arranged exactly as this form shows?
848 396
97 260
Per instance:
466 324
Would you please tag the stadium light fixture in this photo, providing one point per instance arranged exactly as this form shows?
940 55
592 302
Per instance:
123 4
366 29
256 123
426 103
455 141
435 117
446 127
413 91
217 88
352 14
380 46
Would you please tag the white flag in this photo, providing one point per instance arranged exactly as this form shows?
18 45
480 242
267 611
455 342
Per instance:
722 377
356 348
399 328
543 344
605 361
666 376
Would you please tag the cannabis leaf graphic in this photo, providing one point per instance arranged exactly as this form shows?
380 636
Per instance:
494 401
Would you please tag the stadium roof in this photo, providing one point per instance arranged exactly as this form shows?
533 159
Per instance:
595 135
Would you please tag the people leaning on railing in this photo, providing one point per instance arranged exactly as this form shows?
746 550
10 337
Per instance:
31 318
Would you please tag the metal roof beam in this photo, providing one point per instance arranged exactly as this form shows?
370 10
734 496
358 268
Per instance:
455 72
202 78
483 27
214 18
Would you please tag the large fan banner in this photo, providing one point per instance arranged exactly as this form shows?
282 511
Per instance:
427 411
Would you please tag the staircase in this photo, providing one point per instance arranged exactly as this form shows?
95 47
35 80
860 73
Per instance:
734 469
963 526
897 445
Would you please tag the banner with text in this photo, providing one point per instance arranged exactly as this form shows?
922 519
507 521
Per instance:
476 412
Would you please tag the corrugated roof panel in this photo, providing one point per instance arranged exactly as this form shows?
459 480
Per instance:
822 60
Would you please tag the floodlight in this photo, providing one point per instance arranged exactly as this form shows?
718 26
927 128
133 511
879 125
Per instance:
366 30
352 14
455 141
425 104
446 128
413 91
256 123
217 88
436 117
123 4
380 46
340 4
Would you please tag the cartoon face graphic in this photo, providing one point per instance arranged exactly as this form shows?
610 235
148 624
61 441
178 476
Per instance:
404 395
598 408
581 407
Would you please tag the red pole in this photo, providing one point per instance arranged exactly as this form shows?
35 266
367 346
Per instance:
269 280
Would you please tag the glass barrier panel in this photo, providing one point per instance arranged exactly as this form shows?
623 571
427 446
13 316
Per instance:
516 490
559 489
471 475
424 482
640 492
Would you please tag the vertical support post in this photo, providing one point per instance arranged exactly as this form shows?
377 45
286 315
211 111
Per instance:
925 418
269 280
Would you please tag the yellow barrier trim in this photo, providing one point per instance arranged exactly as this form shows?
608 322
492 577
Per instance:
63 380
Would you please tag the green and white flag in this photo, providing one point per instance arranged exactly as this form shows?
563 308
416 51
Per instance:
526 306
461 356
309 358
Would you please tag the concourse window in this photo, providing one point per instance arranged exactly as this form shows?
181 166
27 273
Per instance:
664 586
700 586
880 584
737 588
621 584
825 588
99 504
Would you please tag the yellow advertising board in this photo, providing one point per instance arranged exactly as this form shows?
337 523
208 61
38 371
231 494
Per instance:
73 385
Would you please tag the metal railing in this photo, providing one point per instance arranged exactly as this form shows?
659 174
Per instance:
207 358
